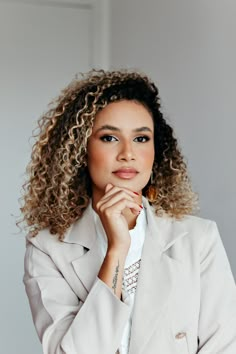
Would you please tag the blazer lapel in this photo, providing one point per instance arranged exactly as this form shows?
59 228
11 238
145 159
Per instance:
157 277
83 232
87 267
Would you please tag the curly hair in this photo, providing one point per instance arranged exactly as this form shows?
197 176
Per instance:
58 188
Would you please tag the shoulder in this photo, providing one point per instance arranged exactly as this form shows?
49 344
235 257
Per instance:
201 236
202 231
189 232
199 226
78 233
194 239
45 241
197 223
78 236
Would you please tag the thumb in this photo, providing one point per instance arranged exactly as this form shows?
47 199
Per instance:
108 187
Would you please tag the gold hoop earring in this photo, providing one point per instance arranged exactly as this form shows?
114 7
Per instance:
152 193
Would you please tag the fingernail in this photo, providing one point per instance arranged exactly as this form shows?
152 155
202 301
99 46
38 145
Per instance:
136 193
141 206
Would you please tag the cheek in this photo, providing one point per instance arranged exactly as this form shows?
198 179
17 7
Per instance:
148 157
96 158
94 161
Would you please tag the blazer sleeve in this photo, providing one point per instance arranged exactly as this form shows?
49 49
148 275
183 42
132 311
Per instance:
63 322
217 320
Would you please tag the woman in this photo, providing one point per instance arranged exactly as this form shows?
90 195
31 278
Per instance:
115 262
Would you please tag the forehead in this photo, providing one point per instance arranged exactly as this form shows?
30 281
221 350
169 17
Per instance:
126 113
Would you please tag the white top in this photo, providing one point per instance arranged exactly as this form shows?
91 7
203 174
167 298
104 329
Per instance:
131 270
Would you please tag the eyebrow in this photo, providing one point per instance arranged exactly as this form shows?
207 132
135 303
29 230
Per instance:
111 127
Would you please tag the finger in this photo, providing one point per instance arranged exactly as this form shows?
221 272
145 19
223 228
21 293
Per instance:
114 189
135 212
111 206
108 187
116 194
111 199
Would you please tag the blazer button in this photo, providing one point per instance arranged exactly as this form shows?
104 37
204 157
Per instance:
180 335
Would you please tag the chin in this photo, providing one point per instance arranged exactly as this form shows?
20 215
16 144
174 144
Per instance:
129 184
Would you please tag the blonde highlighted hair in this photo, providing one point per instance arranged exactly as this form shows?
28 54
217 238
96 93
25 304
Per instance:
58 186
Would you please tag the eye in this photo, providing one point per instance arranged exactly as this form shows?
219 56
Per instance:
142 139
108 138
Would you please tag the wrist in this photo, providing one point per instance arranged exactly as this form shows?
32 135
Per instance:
118 251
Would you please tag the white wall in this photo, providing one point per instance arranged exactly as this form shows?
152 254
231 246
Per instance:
189 49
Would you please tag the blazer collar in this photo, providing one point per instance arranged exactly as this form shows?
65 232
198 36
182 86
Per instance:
83 231
164 229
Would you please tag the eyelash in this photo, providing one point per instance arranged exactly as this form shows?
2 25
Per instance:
143 137
108 138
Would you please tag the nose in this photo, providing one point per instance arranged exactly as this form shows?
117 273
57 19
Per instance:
126 152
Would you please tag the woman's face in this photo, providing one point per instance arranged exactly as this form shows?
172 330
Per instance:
121 147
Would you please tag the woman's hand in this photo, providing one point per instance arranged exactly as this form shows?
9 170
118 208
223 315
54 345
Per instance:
114 211
117 209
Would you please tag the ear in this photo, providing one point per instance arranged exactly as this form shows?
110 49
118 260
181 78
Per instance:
108 187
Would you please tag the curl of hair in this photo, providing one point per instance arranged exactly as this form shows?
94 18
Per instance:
58 187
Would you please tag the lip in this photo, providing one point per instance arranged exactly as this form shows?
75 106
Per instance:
126 173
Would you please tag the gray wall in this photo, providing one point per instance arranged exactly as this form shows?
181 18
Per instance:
43 45
189 49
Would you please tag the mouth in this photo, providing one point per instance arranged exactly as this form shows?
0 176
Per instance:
126 173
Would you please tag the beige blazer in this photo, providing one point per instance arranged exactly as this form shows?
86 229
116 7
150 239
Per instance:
185 299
